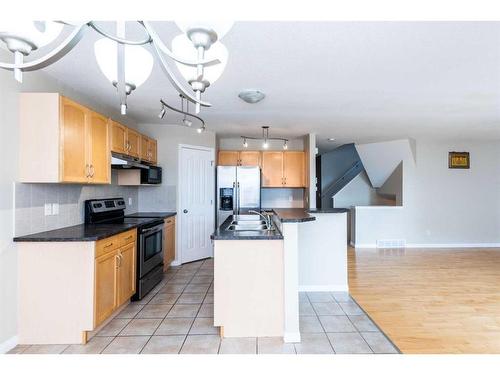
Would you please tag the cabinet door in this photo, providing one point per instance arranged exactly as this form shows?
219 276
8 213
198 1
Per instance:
250 158
294 169
168 242
272 169
228 158
126 273
73 148
145 148
153 149
118 138
134 143
105 293
99 154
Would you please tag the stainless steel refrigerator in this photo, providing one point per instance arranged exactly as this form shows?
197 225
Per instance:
238 191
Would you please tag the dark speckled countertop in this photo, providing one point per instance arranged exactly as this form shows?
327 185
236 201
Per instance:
94 232
301 215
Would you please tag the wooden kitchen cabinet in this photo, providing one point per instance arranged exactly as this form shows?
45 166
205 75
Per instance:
148 149
168 242
61 141
106 292
133 143
272 169
283 169
249 158
228 158
115 274
126 273
118 137
239 158
294 169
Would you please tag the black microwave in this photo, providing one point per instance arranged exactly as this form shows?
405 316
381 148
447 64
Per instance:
152 175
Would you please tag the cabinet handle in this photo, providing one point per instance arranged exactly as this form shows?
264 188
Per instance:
117 257
129 238
92 170
108 245
87 171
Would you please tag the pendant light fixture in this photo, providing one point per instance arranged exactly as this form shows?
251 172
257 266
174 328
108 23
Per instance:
126 63
186 114
265 139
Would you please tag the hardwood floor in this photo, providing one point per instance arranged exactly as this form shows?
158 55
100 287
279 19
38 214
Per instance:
431 300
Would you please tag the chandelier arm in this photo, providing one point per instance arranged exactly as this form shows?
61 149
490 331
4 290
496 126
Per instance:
160 45
120 69
51 57
182 112
120 40
166 69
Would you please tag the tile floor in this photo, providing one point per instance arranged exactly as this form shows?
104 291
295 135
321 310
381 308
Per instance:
177 317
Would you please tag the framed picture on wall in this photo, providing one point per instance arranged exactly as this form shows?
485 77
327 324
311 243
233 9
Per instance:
458 160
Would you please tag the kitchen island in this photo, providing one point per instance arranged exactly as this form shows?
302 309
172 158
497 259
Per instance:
258 273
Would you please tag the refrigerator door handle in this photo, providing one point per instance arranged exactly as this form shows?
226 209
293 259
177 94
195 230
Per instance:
234 199
238 197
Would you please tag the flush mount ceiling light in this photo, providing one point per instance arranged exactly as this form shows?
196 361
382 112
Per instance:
251 96
126 63
331 139
265 139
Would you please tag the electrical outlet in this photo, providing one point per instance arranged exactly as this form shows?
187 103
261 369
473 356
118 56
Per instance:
290 198
55 208
48 209
130 201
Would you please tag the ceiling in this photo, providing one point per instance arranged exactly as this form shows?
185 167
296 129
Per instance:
353 81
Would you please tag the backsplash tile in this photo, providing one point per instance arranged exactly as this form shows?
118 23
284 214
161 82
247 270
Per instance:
31 199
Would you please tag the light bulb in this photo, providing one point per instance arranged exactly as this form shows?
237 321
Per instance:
265 144
138 61
285 146
201 130
245 143
187 122
182 47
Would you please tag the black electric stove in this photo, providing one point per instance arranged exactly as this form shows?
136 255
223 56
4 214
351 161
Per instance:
149 239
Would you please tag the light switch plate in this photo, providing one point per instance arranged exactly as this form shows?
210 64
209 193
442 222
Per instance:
55 208
48 209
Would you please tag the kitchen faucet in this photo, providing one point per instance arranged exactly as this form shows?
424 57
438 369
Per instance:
266 217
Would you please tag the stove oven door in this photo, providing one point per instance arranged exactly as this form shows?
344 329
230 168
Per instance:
150 248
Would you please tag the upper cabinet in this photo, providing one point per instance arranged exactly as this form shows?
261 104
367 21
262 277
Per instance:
279 168
283 169
62 141
148 149
244 158
129 142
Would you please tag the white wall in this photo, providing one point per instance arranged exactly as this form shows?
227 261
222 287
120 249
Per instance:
9 90
164 197
441 206
358 192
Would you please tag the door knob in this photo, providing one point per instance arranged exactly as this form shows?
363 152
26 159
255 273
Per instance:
185 211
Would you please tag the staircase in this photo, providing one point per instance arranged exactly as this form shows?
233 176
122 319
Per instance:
347 177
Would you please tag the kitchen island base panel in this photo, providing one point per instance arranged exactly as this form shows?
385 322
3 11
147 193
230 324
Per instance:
248 288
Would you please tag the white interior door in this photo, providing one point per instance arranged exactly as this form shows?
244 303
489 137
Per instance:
196 210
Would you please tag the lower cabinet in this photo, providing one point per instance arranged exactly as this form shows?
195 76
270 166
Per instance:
168 242
115 274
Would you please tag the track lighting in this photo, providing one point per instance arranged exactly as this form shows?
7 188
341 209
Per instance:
187 122
265 137
162 112
201 130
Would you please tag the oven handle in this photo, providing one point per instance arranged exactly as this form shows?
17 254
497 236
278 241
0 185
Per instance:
153 229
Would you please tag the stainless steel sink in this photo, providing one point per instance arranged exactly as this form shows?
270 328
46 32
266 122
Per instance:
248 222
257 227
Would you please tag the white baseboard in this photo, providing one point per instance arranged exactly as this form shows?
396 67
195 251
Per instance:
8 344
324 288
291 337
435 245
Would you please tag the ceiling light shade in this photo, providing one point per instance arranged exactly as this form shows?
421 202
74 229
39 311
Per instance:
138 61
219 26
26 36
182 46
285 145
251 96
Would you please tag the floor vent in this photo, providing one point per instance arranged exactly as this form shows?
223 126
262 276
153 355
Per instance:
391 244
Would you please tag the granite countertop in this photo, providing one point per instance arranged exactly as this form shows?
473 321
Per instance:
161 215
223 234
301 215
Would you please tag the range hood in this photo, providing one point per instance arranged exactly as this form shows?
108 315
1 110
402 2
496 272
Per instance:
126 162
